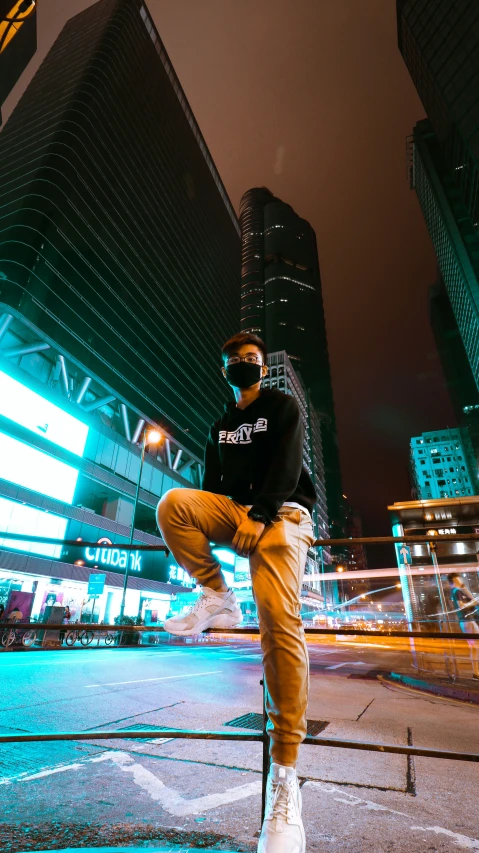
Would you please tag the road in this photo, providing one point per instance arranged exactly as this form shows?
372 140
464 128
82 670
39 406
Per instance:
130 792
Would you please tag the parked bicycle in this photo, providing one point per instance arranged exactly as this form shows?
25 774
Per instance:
72 635
26 637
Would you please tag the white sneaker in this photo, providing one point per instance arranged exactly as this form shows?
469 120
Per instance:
210 610
283 830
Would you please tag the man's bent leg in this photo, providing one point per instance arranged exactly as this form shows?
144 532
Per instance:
277 568
189 519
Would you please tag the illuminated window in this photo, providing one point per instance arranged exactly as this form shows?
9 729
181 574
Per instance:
25 407
26 466
18 518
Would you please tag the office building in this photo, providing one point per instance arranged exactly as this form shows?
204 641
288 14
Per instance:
18 41
119 272
443 465
460 382
281 301
439 40
283 376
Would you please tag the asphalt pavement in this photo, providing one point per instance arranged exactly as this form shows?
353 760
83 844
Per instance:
208 793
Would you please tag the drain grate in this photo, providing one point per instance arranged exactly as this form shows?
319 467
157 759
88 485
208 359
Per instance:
255 722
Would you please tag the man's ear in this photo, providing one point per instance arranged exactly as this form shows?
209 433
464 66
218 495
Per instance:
223 372
265 370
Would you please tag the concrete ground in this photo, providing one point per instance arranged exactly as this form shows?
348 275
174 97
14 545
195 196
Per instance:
170 793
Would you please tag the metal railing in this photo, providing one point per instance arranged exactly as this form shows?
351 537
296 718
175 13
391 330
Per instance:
259 737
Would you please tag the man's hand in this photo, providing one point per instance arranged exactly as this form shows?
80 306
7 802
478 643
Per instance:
247 536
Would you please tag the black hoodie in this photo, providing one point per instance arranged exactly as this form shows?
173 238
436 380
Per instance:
255 455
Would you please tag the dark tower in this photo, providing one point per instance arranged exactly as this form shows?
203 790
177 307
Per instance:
439 41
120 246
281 300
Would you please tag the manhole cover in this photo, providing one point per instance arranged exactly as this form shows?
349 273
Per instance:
255 722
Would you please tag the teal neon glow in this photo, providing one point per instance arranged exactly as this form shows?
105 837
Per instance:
224 556
29 467
17 518
27 408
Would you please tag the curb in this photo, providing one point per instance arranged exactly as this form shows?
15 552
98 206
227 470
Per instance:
447 691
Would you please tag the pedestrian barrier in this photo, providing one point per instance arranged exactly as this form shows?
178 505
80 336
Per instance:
259 737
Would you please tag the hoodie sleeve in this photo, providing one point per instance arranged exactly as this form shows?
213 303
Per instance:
212 474
287 461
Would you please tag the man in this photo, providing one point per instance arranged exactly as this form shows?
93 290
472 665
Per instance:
465 606
257 498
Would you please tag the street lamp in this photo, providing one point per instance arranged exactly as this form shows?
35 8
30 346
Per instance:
151 436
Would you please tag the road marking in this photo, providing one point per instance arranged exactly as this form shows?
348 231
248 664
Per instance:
348 663
351 800
170 800
51 771
161 678
460 840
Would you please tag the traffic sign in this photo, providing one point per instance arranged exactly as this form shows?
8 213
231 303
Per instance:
96 584
405 555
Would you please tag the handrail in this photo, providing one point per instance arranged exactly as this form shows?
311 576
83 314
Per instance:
253 629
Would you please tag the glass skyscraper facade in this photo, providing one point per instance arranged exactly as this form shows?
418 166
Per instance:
119 282
439 40
281 301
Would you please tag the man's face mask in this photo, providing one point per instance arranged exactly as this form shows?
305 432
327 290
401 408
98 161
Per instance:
243 374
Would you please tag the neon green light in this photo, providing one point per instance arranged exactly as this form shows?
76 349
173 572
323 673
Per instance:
17 518
29 467
27 408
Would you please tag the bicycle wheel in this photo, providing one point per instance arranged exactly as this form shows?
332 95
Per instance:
5 637
70 638
10 637
109 639
86 637
29 638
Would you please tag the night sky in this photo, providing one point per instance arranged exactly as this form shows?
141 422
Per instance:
312 99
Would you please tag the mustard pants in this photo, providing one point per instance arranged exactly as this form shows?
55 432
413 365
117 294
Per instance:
189 519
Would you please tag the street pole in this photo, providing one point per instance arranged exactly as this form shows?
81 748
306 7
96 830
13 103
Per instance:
132 530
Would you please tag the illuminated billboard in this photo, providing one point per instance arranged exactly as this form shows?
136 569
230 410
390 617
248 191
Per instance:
18 41
18 518
29 409
26 466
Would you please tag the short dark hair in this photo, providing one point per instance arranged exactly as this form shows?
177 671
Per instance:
453 575
239 340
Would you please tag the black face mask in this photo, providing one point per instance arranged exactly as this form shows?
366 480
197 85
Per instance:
242 374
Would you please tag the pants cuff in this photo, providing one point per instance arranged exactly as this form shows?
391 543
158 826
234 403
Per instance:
284 753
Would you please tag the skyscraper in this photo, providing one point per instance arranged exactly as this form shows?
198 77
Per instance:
119 241
439 40
18 41
119 274
281 300
283 376
460 382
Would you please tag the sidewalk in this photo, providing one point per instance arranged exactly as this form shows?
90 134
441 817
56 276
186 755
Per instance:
464 690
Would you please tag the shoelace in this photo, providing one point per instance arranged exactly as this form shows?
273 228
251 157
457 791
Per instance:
282 804
197 603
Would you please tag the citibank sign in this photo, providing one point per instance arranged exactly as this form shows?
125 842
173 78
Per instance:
115 558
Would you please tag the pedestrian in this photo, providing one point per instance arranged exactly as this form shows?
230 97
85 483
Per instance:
257 498
465 604
67 614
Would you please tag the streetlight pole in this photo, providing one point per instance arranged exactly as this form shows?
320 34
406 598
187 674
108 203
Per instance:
148 438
